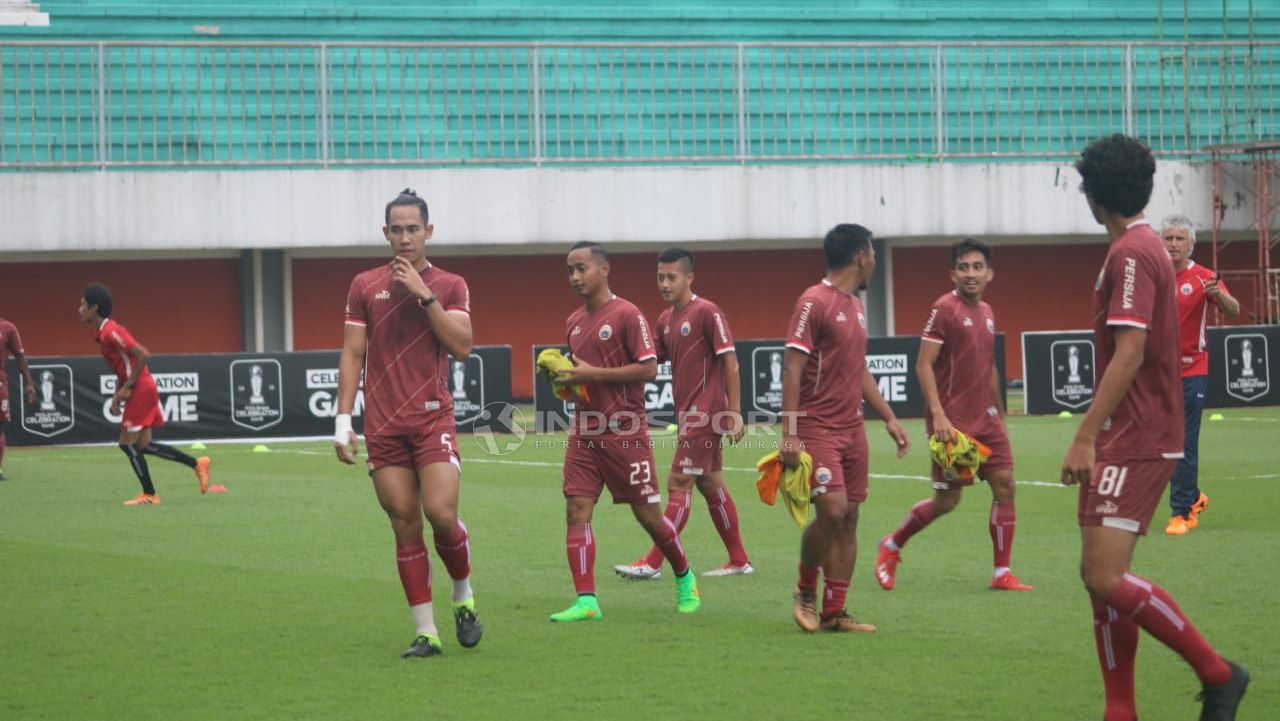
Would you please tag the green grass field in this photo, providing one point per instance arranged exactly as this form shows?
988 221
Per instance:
279 599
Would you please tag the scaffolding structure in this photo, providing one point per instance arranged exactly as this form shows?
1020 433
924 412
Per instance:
1257 288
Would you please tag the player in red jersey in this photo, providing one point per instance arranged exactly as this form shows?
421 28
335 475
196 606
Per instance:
1196 286
957 372
136 392
1130 438
613 354
824 382
11 344
403 321
694 335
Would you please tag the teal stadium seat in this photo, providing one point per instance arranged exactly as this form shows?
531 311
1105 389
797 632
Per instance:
915 87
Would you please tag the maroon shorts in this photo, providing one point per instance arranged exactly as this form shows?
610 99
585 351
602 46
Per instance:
142 410
4 403
839 462
1125 494
624 464
993 437
436 444
698 454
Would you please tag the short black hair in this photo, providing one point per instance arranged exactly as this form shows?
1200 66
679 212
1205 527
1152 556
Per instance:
408 197
675 255
597 250
843 242
970 245
99 295
1117 172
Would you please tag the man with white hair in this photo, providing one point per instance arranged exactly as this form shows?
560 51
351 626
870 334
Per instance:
1195 287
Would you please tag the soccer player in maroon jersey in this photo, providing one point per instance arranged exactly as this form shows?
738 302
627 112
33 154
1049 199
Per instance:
1196 286
403 321
824 381
613 355
1131 437
11 344
694 335
957 372
135 397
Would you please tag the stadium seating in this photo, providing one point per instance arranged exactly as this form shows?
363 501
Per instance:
263 104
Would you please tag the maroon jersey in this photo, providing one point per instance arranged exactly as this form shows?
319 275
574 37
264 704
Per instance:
115 341
405 384
1135 289
10 344
1193 312
612 336
830 327
693 339
967 334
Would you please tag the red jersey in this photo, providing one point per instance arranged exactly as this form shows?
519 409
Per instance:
693 339
1193 312
614 335
967 334
10 344
1135 289
115 341
830 326
406 386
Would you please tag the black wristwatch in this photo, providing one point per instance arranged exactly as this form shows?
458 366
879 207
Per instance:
425 302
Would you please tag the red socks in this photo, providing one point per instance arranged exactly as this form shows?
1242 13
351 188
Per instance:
1001 524
1117 641
808 579
724 514
678 513
415 571
833 596
668 540
920 515
581 547
455 551
1158 614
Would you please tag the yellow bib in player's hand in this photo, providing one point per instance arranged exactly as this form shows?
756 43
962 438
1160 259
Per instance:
551 360
960 458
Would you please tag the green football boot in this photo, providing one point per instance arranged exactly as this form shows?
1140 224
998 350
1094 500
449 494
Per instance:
586 608
687 598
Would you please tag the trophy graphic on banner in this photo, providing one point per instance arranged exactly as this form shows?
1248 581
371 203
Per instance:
46 391
775 372
459 380
255 385
1246 357
1073 365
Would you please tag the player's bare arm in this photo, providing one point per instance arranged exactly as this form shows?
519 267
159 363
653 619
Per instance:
1229 305
871 392
355 339
929 352
1077 467
25 370
792 371
996 396
729 360
140 357
452 328
584 372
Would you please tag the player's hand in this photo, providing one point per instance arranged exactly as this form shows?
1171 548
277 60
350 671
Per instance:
736 429
581 372
899 436
790 451
1077 467
942 428
1212 288
403 272
120 397
345 441
31 394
